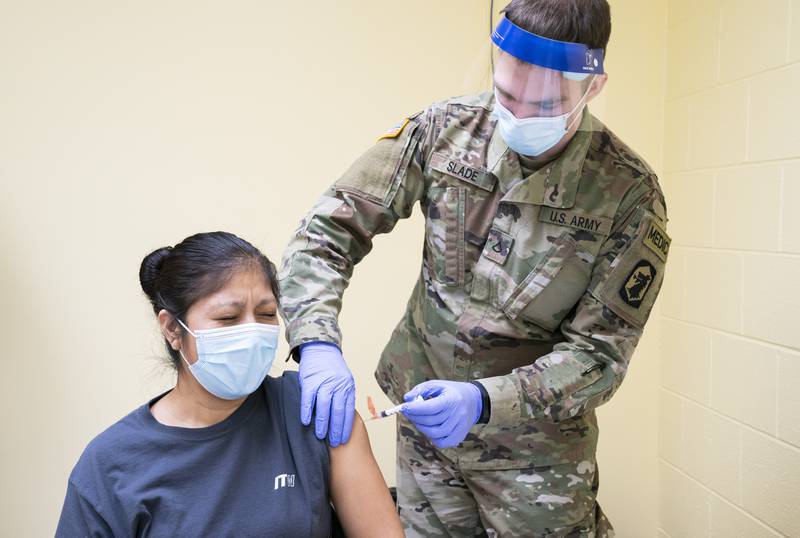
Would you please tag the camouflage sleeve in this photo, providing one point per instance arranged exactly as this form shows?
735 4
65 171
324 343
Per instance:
380 188
585 370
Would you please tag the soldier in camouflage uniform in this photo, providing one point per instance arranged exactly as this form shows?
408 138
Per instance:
535 285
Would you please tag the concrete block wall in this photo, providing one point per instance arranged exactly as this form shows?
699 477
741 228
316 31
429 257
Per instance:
729 398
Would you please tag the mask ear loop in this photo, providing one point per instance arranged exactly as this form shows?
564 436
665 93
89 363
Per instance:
184 326
185 359
181 350
591 83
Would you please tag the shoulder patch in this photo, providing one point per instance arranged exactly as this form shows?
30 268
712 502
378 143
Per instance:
638 283
631 282
395 131
657 240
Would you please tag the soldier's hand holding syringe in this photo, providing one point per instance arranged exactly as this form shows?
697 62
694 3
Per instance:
443 410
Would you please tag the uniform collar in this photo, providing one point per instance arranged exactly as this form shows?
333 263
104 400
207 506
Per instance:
553 185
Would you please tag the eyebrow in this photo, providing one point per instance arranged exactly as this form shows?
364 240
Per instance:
507 94
239 304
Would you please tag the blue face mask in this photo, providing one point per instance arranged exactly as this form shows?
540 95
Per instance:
232 362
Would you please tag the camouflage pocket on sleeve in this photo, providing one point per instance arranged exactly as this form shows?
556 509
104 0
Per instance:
550 290
634 278
376 175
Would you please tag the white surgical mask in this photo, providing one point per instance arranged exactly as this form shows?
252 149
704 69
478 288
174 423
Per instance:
533 136
232 362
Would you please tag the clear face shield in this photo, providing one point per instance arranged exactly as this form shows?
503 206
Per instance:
532 91
540 86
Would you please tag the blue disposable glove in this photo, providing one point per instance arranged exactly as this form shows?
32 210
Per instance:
449 410
326 380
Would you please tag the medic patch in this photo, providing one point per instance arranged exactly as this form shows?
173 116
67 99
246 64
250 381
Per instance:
638 282
657 240
395 131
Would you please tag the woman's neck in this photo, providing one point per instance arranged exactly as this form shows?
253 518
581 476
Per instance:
189 405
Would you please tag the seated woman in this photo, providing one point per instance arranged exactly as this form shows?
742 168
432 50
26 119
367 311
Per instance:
223 453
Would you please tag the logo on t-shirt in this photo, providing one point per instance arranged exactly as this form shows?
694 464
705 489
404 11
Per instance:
284 481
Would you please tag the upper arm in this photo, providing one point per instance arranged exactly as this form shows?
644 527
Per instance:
630 266
389 174
377 190
380 188
358 490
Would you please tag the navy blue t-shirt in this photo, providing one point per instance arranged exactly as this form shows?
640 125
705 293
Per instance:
259 472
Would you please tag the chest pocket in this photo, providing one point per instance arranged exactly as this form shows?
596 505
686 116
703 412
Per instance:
548 292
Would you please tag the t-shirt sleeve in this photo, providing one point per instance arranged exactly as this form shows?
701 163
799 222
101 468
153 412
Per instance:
298 434
79 518
309 455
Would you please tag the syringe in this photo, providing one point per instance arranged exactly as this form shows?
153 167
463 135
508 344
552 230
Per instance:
387 412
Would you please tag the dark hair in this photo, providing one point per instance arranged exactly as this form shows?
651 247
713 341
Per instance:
174 278
577 21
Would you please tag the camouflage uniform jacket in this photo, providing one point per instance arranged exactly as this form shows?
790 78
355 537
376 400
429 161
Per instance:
538 287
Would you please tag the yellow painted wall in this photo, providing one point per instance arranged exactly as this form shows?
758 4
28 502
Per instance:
126 126
729 427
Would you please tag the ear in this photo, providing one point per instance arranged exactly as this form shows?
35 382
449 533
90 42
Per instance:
598 84
170 328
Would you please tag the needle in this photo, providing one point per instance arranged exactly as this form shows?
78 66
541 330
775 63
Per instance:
387 412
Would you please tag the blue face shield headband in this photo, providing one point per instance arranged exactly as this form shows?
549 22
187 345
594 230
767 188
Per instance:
569 58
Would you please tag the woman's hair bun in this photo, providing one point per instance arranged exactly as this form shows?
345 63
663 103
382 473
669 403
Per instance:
150 269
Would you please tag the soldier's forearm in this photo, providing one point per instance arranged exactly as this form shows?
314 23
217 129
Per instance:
557 386
314 329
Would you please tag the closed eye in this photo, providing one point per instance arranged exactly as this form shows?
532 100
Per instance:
505 95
